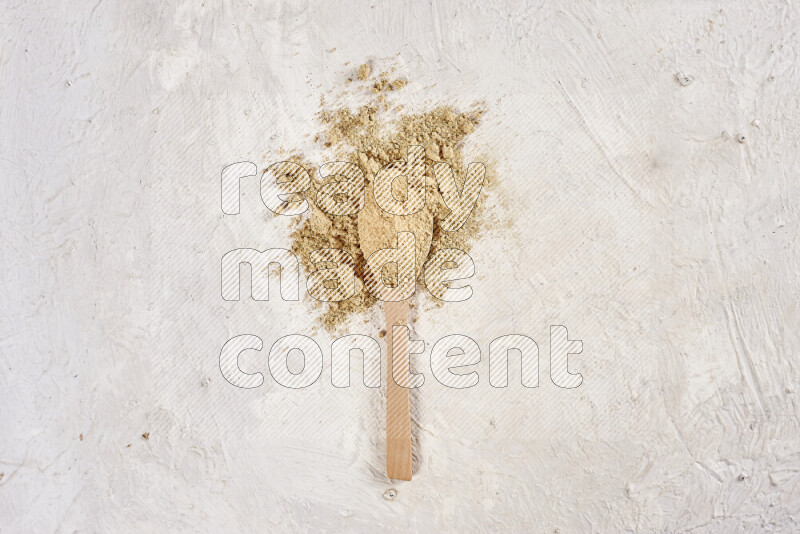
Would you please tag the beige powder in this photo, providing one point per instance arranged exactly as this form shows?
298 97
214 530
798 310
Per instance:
372 136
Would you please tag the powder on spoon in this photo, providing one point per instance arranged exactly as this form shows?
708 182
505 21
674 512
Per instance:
372 136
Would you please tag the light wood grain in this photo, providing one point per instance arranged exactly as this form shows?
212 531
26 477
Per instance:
398 413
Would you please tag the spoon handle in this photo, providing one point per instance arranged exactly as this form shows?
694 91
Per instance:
398 413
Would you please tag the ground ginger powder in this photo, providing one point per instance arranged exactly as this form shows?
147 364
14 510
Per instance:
372 136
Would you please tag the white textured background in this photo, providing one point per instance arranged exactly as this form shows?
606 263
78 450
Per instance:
664 244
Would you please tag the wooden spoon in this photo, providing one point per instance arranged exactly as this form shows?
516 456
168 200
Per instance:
378 230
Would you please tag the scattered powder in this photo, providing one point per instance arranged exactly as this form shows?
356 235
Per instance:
382 83
372 136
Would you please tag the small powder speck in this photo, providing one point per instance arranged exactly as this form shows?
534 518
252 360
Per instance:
364 71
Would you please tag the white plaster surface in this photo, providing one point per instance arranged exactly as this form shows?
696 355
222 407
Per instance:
639 221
